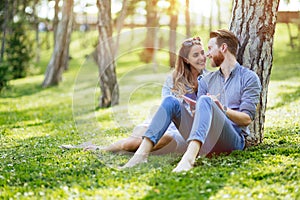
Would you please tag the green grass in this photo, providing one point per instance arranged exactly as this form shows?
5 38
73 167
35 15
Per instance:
35 121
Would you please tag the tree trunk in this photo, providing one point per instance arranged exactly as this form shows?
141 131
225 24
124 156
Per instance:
68 41
187 19
219 13
120 24
56 64
253 22
4 27
173 10
55 20
37 35
105 57
211 16
152 23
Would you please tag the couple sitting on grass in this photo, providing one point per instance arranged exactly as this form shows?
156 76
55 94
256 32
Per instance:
217 123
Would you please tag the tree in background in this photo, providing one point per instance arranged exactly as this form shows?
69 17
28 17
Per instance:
173 13
55 20
120 23
105 57
60 55
151 23
187 19
253 22
16 46
19 49
4 67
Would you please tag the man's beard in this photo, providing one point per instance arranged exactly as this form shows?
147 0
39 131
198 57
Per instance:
217 60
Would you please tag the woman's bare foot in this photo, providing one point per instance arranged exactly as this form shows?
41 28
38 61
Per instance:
68 146
93 148
141 155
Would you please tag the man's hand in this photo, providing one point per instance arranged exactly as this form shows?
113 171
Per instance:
216 100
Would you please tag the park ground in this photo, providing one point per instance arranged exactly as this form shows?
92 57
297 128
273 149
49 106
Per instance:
34 122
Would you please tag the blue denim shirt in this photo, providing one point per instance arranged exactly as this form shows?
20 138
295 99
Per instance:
240 92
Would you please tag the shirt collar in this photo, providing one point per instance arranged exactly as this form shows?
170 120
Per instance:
233 71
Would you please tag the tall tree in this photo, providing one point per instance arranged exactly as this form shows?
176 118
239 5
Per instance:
211 15
173 12
55 19
4 22
187 18
219 13
37 35
120 23
254 22
58 61
105 56
152 23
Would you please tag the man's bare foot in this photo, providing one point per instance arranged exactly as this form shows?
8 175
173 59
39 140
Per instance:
135 160
188 159
183 166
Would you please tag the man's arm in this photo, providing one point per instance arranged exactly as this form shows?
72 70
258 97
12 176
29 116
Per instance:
249 100
240 118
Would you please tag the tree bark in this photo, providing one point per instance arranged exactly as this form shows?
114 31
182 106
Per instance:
105 57
56 66
253 22
173 10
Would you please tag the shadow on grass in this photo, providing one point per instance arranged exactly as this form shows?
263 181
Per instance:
241 173
24 89
287 98
35 116
286 66
37 165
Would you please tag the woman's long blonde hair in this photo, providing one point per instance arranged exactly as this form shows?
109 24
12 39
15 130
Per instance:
183 79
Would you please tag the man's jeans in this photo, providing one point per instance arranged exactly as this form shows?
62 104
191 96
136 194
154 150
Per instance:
210 125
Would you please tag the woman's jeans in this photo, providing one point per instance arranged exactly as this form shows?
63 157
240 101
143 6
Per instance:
210 126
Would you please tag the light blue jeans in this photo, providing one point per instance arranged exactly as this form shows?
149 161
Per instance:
210 126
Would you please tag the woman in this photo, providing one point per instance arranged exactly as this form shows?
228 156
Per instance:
189 66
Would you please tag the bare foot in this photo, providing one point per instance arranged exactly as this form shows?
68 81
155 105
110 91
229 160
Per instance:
68 146
141 155
188 159
183 166
93 148
135 160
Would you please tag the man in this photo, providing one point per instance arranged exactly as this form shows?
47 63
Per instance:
226 105
221 123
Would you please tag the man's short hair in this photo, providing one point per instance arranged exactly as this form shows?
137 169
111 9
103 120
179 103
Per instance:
227 37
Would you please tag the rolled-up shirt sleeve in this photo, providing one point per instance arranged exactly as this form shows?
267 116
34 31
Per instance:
250 95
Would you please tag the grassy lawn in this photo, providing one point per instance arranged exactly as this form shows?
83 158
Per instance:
35 121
